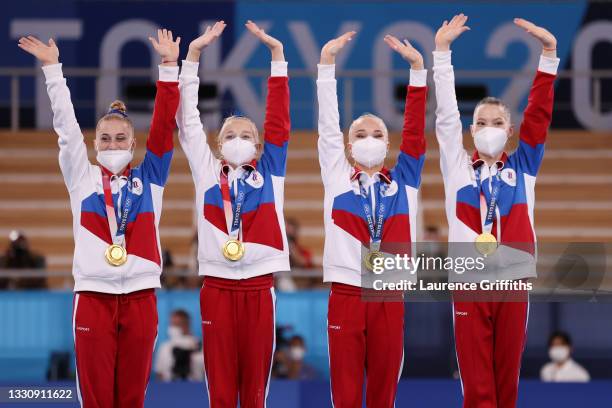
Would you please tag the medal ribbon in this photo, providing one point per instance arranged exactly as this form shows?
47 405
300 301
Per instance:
232 212
117 232
487 225
375 221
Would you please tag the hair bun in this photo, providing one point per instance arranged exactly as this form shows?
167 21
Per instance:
118 106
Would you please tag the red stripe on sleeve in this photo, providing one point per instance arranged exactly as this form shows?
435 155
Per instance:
163 123
538 114
413 132
278 122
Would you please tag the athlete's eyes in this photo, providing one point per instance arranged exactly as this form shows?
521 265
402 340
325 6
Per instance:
360 135
480 123
378 135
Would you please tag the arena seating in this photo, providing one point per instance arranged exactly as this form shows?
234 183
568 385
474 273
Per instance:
573 193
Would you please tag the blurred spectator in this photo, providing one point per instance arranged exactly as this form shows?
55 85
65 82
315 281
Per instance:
279 362
299 256
180 357
180 276
562 368
19 256
168 260
289 358
297 368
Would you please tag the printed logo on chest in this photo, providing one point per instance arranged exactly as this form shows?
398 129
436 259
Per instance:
136 187
255 180
391 189
509 177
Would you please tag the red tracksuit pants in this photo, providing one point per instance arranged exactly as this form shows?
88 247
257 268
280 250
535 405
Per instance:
238 337
365 337
489 340
114 337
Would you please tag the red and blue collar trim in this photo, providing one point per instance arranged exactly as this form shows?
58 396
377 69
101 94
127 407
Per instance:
384 174
477 161
225 167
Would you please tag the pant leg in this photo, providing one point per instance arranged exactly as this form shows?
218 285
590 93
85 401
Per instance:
384 352
256 341
219 346
136 340
346 317
95 329
510 336
474 346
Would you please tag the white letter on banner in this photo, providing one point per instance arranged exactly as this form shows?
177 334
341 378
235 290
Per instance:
234 79
382 60
110 59
582 100
57 29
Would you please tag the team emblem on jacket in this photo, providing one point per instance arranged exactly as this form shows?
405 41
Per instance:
255 179
509 176
391 189
136 186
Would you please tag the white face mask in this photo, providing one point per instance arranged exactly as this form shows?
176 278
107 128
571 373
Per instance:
238 151
559 354
115 160
296 353
369 151
490 140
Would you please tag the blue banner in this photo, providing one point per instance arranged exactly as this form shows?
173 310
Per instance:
113 35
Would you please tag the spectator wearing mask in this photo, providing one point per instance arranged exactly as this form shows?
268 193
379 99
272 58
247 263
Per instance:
297 369
562 368
19 256
180 357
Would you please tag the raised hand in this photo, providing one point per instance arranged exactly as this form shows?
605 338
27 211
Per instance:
333 47
406 50
210 35
275 46
47 54
449 32
167 49
549 42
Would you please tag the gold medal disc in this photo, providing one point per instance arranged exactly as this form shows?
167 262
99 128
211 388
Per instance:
486 243
116 255
233 250
370 259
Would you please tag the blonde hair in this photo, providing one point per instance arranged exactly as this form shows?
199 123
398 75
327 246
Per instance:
369 116
227 121
491 100
117 111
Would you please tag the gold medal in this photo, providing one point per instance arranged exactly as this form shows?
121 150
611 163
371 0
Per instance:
370 259
486 243
116 255
233 250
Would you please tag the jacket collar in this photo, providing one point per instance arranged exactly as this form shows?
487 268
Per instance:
225 166
477 161
109 173
384 174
